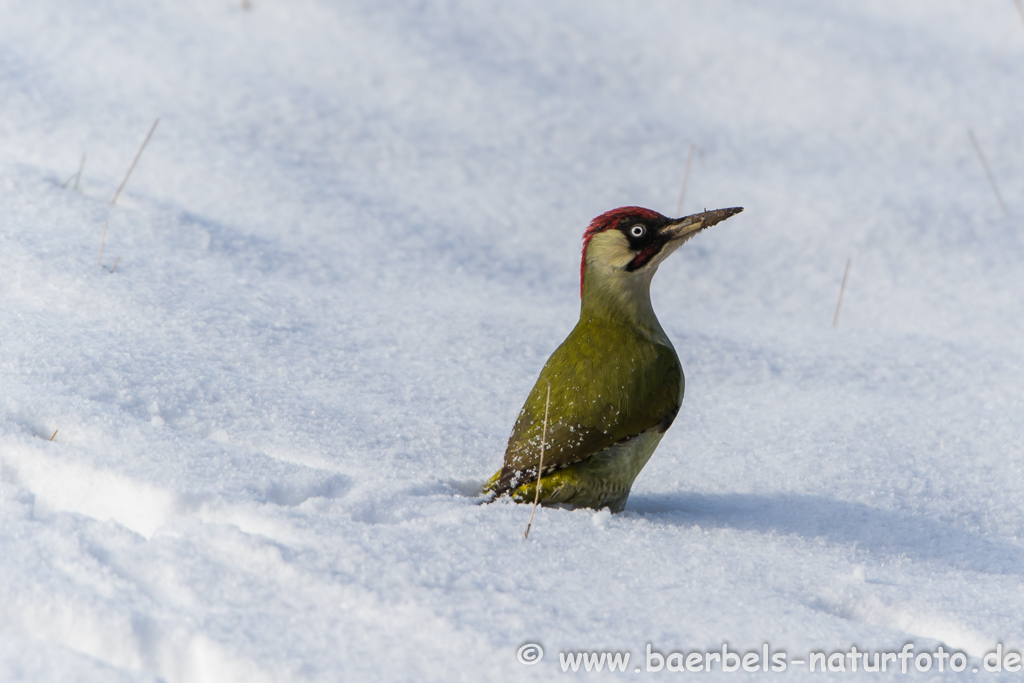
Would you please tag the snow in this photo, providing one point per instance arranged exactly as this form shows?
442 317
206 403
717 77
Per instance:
351 244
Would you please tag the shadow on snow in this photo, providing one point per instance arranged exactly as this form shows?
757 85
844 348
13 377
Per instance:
881 532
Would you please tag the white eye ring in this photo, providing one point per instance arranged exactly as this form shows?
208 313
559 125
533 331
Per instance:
637 230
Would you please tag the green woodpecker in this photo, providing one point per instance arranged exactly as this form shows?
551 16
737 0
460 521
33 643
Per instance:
616 382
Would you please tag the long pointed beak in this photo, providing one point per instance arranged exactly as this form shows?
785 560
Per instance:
688 225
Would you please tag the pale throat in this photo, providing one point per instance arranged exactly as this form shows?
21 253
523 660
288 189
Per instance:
622 297
613 293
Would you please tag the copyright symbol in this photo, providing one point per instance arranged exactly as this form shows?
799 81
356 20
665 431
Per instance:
530 654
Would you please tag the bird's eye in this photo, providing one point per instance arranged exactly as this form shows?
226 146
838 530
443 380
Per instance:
637 230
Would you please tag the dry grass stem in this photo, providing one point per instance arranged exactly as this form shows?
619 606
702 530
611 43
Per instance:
103 240
134 161
54 435
842 288
114 267
540 465
988 172
686 179
1019 4
78 176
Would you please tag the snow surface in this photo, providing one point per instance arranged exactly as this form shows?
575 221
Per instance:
347 251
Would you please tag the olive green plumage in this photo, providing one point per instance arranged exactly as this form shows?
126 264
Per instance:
609 384
616 381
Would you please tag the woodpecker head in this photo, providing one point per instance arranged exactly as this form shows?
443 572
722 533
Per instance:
631 242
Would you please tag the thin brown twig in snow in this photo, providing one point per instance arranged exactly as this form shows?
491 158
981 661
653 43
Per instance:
540 465
1006 35
103 241
686 179
54 435
116 261
134 161
77 176
842 288
988 172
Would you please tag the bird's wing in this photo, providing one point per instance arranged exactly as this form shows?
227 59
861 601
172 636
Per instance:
598 398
